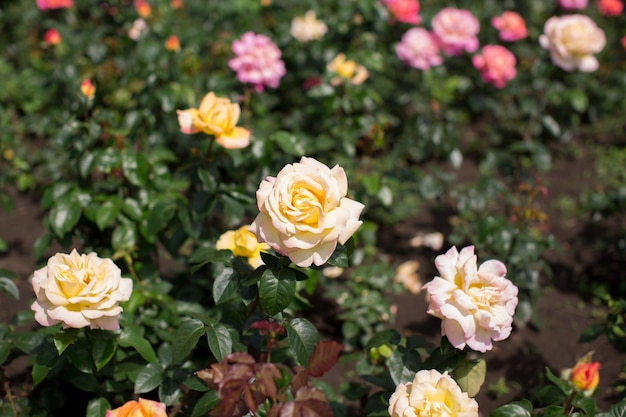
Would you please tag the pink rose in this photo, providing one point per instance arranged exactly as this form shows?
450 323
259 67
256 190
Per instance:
419 49
405 11
456 30
496 65
257 61
54 4
511 26
573 4
476 304
610 7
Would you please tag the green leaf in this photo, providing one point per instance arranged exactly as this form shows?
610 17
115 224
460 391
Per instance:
209 400
220 340
563 385
102 350
339 258
275 294
289 143
225 284
64 338
64 215
130 336
135 167
616 410
149 378
124 237
186 338
302 336
169 390
470 375
208 254
132 209
404 364
516 409
80 357
389 336
97 407
9 288
160 215
107 213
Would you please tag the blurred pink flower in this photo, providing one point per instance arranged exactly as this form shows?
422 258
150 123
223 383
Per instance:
496 65
54 4
418 49
456 30
511 26
476 304
573 4
406 11
257 61
610 7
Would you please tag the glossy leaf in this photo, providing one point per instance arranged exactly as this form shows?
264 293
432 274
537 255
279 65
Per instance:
209 400
220 340
9 288
97 407
64 215
130 336
186 338
470 375
275 294
302 336
107 213
149 378
225 283
515 409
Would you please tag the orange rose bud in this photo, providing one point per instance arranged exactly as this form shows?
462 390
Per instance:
87 89
585 376
143 8
172 43
176 4
52 37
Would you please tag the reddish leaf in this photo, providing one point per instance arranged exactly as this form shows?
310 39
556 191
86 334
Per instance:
325 355
299 380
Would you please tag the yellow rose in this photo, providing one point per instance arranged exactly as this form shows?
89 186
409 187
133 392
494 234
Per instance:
347 70
307 28
80 291
242 242
140 408
216 116
304 212
431 394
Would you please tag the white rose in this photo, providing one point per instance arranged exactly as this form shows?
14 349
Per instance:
307 28
304 212
431 394
80 290
572 41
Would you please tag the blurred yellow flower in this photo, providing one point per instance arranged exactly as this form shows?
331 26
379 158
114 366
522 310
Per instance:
347 70
242 242
216 116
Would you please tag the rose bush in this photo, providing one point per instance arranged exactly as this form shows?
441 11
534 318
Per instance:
304 212
80 290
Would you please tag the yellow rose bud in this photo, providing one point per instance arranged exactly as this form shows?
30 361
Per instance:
242 242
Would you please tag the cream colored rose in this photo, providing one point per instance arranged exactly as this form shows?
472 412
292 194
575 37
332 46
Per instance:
216 116
307 28
304 212
242 242
431 394
80 290
572 41
476 304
